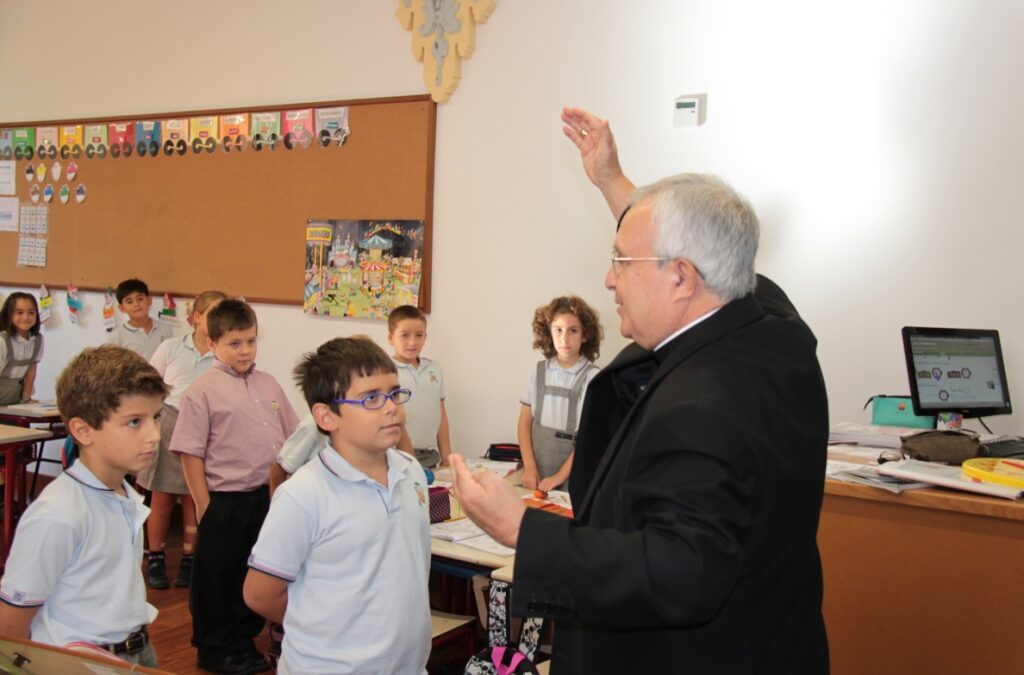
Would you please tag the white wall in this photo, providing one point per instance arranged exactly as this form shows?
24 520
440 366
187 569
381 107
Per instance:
878 141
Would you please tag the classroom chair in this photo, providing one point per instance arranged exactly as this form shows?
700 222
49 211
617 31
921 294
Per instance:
457 629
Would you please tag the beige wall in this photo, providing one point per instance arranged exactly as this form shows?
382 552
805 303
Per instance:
880 142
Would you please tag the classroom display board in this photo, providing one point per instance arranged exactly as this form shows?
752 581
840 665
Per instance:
190 201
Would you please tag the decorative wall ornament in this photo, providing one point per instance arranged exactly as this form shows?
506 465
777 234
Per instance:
443 33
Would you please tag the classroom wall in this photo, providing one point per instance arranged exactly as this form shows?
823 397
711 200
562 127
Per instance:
879 142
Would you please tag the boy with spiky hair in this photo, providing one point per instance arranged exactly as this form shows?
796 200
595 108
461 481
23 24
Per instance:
350 529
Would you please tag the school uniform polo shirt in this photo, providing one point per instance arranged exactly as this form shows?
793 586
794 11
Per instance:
236 424
77 555
423 410
555 411
180 364
356 555
302 446
22 349
138 340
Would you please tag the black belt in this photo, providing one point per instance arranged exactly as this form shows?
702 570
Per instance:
135 642
565 436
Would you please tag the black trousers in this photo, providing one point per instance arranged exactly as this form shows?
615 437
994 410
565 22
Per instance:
221 621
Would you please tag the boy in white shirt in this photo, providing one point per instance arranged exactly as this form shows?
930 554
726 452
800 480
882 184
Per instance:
74 574
140 333
345 548
426 435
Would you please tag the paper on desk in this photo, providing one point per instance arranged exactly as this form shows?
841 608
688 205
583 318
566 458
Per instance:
832 466
945 476
500 469
488 545
455 530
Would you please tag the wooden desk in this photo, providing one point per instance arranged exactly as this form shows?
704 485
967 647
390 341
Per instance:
24 656
27 414
13 439
927 581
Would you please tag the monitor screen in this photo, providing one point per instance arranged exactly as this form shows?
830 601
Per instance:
956 370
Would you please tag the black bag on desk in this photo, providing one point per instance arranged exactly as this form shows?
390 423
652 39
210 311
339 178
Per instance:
504 452
948 447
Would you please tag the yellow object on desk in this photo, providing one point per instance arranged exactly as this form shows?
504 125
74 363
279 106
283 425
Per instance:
1009 472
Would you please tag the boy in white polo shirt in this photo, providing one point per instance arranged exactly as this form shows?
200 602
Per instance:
139 333
74 574
343 556
426 436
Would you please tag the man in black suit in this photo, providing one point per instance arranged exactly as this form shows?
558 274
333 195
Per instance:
700 457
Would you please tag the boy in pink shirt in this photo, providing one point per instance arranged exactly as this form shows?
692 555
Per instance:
231 425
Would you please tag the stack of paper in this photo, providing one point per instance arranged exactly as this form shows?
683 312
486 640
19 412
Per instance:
946 476
466 533
873 435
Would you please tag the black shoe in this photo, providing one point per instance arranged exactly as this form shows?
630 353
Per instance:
156 570
231 664
184 576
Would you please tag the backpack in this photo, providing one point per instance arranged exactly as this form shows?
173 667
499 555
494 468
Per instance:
502 656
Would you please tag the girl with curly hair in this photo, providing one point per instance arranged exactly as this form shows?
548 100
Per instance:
568 333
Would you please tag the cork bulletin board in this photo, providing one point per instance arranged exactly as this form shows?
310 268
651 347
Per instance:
228 219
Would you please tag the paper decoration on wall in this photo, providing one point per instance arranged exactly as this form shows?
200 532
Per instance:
45 304
175 135
362 268
48 193
72 170
95 141
121 136
41 172
80 194
332 126
33 194
203 134
443 34
31 251
234 131
6 144
74 304
10 214
266 130
34 219
30 172
109 322
148 137
46 142
24 140
70 141
297 127
170 311
55 170
64 194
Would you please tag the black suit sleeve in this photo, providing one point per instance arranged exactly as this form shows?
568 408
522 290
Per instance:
680 520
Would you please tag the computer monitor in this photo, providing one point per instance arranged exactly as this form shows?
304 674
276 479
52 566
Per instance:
956 370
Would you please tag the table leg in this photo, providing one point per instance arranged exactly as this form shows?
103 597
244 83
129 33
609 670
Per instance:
10 460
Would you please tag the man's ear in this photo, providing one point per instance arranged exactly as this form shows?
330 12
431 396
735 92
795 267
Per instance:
81 431
687 278
324 417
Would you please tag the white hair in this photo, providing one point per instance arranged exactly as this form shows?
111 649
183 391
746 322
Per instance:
700 218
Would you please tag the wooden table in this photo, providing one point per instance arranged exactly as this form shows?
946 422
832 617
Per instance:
27 414
13 439
927 581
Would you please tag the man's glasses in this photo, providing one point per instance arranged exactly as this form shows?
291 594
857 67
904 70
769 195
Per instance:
378 399
620 261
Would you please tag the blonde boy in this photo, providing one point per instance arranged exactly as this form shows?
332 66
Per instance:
427 424
343 556
74 574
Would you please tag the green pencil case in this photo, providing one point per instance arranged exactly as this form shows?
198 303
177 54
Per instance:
897 411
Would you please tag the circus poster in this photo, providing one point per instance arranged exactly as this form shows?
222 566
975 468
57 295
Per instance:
362 268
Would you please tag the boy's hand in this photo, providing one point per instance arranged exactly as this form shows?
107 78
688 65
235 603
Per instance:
201 509
489 501
550 483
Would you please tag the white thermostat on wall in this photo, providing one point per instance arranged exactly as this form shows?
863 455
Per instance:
690 110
